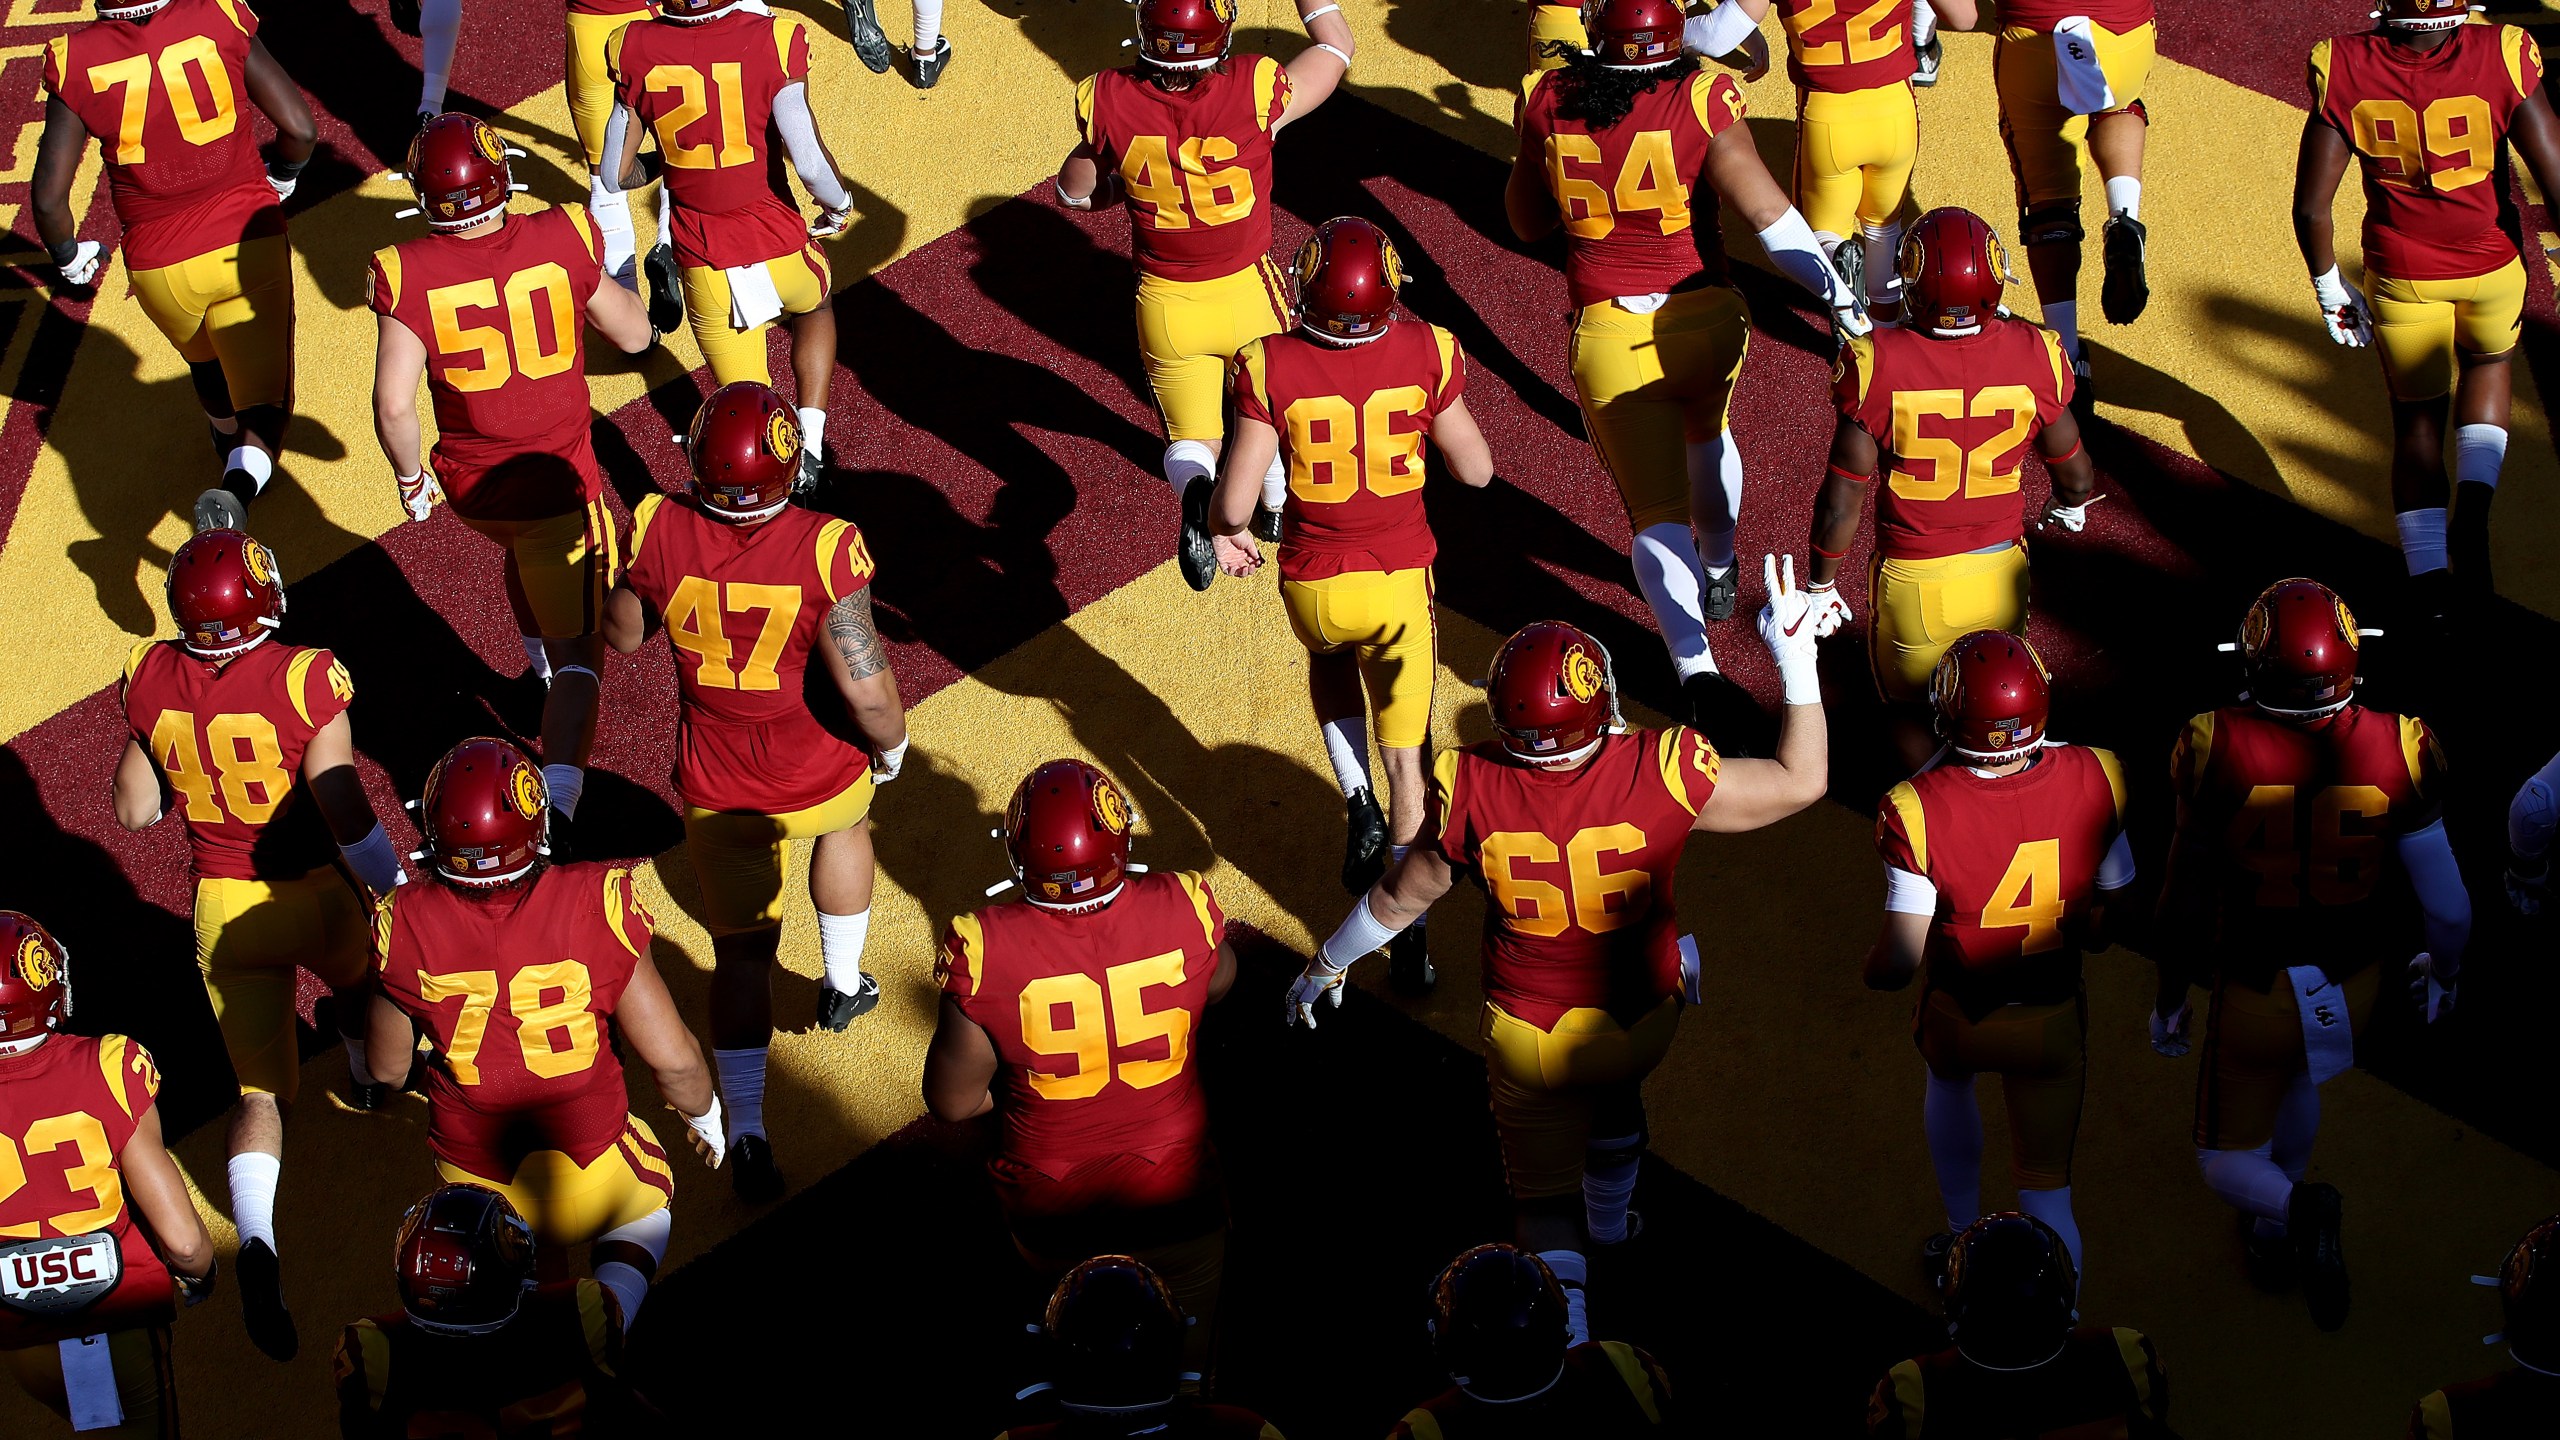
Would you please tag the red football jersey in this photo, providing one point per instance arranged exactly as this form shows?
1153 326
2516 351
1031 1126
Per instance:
1195 165
1579 865
2429 132
608 7
744 606
1630 193
1094 1017
515 989
1954 415
503 317
2115 15
2291 826
706 91
1843 46
229 740
550 1374
1187 1420
2015 861
169 103
1354 421
66 1110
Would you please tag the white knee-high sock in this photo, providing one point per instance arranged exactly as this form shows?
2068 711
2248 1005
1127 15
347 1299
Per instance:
1954 1126
928 26
439 24
253 1195
2247 1180
666 214
612 209
2062 317
630 1284
1608 1183
1573 1273
1715 499
1186 461
742 1089
1275 483
2479 453
1346 744
2297 1125
1673 582
566 784
1924 22
840 940
2053 1207
2422 539
2124 196
1884 253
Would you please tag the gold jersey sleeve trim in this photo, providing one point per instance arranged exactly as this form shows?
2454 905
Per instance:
2194 755
387 260
1453 361
641 515
231 9
1420 1425
365 1352
619 907
382 926
1197 888
58 64
1255 366
1666 755
1915 822
1859 358
2135 1352
785 26
133 659
2516 44
969 949
586 229
111 1050
1444 786
1266 84
2319 75
1910 1396
613 57
1631 1369
2114 769
2053 357
1085 89
2434 1420
830 540
297 673
2415 743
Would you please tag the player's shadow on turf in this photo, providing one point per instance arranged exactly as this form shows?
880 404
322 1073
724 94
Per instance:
359 76
1069 278
2353 447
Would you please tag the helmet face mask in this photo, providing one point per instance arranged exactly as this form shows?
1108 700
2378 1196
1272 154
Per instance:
227 594
486 815
35 983
1114 1334
1347 277
1066 833
744 449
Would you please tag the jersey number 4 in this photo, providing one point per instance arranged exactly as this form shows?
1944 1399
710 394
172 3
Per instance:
1096 1026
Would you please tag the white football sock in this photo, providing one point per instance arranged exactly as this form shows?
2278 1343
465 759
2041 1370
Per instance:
257 464
1573 1273
813 430
628 1282
2124 197
253 1195
2422 539
1924 22
1608 1183
1830 244
840 940
537 659
742 1089
566 783
2247 1180
928 26
1186 461
1275 483
1954 1126
2062 317
359 1063
2053 1207
439 25
612 209
1884 253
666 214
2479 452
1673 583
2297 1125
1346 744
1715 499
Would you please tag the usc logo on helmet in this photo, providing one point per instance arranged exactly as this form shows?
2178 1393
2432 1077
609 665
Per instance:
782 436
1110 809
1582 678
525 791
2347 627
1224 10
35 963
260 562
487 140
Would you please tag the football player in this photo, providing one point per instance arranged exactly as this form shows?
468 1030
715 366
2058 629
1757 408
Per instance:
1577 826
486 307
1610 147
722 84
438 25
1999 859
529 979
2070 75
1498 1327
2523 1401
593 24
248 739
1946 404
2532 817
744 582
1359 397
2020 1365
2290 807
932 52
161 82
1113 1336
96 1224
1857 126
1105 1130
2444 285
479 1345
1183 137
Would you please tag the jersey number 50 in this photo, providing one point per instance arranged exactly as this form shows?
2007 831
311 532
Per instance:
531 295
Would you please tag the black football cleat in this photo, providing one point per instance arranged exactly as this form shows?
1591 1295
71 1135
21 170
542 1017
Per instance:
262 1302
1195 549
1266 524
1409 968
836 1009
2314 1220
2268 1258
405 17
1925 62
806 482
752 1172
2127 290
666 287
1726 712
929 68
1849 258
1721 591
367 1096
2084 391
561 838
1933 1259
870 42
1364 845
219 509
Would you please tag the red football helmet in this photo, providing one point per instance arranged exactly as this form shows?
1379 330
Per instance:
1992 694
464 1261
486 815
1185 34
745 449
2529 1293
1952 269
1635 34
1552 694
35 992
1114 1335
1348 275
458 168
693 12
141 11
1067 832
2425 14
2298 650
225 594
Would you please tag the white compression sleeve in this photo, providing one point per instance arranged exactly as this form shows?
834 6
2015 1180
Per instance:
1718 32
808 156
2428 857
2535 813
928 25
1908 894
1791 247
617 142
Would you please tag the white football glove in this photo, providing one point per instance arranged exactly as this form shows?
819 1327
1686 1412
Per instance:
2525 891
419 493
830 223
710 1135
2343 310
2432 988
1830 612
284 187
887 765
82 267
2172 1034
1315 983
1787 628
1850 319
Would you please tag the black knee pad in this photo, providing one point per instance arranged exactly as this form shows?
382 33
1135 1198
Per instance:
2055 222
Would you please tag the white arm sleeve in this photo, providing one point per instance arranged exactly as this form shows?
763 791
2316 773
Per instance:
1720 31
617 133
1908 894
2116 871
800 133
2428 857
1799 257
2535 814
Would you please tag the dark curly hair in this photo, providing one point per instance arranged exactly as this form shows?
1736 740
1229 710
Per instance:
1600 95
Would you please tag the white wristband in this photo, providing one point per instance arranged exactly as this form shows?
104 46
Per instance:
2330 287
1074 202
708 1125
1336 54
1718 32
1800 678
1360 934
1321 10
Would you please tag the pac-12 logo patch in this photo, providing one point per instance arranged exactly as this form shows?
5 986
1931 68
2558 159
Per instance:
1582 678
36 964
1110 809
525 790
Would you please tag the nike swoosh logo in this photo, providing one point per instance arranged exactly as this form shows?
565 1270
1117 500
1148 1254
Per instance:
1792 629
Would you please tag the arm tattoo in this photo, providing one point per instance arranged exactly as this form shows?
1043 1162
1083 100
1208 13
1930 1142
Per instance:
856 638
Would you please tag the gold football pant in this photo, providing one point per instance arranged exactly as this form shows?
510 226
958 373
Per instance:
567 1203
1654 384
1854 155
1923 606
1384 616
739 855
250 934
1553 25
146 1384
1189 332
2253 1053
2040 1053
2047 143
234 305
2423 327
801 278
591 80
1543 1083
559 569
